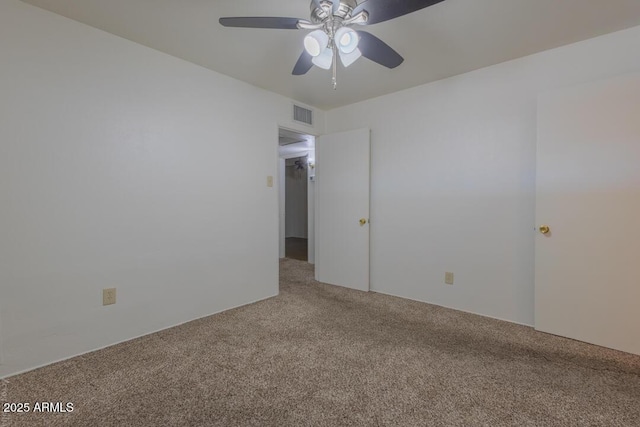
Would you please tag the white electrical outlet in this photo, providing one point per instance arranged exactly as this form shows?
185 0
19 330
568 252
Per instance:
109 296
448 278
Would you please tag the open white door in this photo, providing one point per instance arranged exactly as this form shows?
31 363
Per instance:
342 209
587 278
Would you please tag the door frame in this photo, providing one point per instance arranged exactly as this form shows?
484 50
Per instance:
281 159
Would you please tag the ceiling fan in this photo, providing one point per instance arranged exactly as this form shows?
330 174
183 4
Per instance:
331 33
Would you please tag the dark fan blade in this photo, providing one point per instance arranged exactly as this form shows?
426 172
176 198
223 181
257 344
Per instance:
261 22
378 51
303 65
384 10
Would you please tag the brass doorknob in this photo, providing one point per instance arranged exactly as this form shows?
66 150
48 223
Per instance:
363 221
544 229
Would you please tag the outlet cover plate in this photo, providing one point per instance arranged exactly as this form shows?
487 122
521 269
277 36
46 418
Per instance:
109 296
448 278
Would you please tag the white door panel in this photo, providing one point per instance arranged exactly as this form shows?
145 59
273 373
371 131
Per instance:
588 191
342 195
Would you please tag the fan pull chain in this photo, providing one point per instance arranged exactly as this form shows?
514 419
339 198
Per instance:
334 80
334 48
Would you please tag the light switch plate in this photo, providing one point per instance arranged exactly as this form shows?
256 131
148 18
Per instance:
269 181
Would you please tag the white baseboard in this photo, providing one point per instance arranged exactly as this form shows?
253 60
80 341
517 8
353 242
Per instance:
454 308
3 377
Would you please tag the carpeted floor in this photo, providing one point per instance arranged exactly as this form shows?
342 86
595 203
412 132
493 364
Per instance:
319 355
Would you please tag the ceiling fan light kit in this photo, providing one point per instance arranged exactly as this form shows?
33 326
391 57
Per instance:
331 33
324 60
347 39
349 58
316 42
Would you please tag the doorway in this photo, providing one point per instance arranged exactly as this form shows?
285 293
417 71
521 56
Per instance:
337 203
297 197
296 210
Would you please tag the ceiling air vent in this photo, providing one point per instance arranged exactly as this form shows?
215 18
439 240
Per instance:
302 115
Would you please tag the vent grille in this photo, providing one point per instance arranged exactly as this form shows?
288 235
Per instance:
302 115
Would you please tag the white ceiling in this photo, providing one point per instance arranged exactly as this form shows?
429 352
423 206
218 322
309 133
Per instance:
447 39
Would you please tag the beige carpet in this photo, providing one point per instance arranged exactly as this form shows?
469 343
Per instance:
319 355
